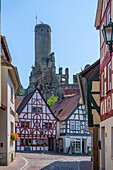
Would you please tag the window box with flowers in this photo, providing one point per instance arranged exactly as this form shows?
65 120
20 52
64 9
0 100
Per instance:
14 136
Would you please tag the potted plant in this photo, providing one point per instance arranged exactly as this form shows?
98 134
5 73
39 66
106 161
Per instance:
22 144
14 136
73 148
45 144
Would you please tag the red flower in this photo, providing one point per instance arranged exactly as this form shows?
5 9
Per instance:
14 136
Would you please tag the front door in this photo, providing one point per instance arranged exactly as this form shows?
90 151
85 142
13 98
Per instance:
51 144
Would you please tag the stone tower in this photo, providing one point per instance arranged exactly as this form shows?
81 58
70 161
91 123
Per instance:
42 44
43 74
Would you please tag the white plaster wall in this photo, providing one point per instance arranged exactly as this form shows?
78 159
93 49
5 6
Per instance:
3 130
10 118
108 124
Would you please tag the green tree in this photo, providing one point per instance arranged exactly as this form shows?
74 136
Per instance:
52 100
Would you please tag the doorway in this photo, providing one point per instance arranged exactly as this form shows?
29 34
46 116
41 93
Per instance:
103 147
51 144
83 148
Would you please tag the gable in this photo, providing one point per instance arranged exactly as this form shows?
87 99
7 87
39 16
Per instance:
78 113
37 101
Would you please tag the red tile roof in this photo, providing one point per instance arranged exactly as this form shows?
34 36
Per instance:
63 108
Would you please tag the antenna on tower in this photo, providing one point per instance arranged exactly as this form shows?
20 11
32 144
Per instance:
36 19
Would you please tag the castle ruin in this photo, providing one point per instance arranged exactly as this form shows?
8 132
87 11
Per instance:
43 74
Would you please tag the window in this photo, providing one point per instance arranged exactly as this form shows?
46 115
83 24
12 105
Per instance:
102 84
22 141
77 145
46 125
72 127
38 140
50 125
27 124
109 76
108 17
77 125
11 127
12 93
33 110
39 110
27 141
22 124
11 142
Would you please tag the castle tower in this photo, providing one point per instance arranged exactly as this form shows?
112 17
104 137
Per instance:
43 74
42 44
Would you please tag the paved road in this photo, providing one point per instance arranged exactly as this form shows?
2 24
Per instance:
51 161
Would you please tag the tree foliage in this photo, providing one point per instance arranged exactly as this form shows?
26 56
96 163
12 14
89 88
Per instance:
52 100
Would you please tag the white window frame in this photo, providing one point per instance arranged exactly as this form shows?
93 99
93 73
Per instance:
72 125
77 124
102 84
109 76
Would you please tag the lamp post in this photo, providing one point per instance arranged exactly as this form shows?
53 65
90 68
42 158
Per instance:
108 35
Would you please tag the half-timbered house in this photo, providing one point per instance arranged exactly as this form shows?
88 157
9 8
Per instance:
103 15
73 122
37 124
89 84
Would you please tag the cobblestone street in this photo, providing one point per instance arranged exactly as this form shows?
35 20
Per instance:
56 162
49 161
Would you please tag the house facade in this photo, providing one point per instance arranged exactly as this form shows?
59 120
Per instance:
73 123
103 15
89 84
9 84
37 126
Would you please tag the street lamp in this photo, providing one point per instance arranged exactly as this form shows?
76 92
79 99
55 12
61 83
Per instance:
108 35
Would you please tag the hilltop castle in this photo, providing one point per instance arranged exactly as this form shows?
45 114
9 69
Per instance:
43 74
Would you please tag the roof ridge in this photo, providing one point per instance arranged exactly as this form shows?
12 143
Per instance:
92 65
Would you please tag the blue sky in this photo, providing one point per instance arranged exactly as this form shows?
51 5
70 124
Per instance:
75 41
